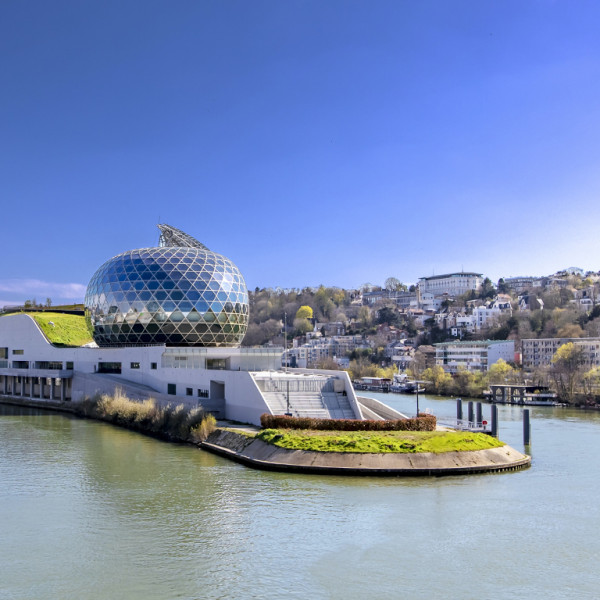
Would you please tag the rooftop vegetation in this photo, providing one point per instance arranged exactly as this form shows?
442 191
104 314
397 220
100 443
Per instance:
376 442
63 329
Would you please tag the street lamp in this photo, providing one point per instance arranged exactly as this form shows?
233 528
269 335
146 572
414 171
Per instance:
418 381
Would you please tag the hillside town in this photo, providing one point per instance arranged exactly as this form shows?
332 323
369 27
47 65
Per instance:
456 327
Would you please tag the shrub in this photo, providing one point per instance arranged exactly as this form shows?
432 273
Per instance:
423 422
203 429
174 423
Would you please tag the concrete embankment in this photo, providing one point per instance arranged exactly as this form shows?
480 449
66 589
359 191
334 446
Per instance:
260 455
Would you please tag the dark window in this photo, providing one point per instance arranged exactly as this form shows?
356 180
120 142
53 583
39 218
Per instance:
153 366
109 367
135 365
171 389
202 393
51 365
189 391
20 364
18 351
69 366
218 364
3 352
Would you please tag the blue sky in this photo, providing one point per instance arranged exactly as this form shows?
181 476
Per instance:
334 142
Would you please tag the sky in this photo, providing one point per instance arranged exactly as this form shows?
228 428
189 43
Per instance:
311 142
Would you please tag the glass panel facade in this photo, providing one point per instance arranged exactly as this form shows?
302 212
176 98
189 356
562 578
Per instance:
173 295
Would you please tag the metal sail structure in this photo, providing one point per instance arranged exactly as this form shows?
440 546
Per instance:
173 237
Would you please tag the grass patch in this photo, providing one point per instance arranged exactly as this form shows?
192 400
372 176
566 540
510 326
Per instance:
68 330
376 442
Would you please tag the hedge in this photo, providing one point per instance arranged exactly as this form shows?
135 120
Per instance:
424 422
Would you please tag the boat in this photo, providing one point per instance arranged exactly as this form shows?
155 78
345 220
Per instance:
373 384
402 385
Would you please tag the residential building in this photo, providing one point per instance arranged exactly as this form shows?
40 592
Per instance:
473 356
539 352
522 284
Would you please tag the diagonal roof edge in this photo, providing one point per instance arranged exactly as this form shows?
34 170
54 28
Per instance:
171 236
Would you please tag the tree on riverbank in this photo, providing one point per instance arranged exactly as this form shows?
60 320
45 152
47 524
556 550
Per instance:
567 370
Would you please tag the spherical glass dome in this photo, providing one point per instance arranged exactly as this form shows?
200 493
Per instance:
176 295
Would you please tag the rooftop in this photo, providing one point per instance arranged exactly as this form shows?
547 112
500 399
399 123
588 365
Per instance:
461 274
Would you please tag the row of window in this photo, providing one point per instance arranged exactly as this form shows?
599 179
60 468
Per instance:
172 390
45 365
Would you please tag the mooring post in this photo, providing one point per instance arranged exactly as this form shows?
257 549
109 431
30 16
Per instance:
526 427
459 411
479 413
470 413
494 420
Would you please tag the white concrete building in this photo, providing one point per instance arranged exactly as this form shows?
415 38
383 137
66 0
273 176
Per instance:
234 383
472 356
167 322
453 284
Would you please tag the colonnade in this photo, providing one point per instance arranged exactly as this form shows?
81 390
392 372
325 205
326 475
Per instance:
36 387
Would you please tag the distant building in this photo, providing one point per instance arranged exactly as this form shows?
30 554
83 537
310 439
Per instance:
313 351
401 299
539 352
453 284
472 356
521 284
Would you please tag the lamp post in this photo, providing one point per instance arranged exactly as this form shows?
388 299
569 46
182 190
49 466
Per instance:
417 392
285 341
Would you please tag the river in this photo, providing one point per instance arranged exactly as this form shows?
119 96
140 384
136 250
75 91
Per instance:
90 511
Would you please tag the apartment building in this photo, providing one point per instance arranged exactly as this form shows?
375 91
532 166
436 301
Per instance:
539 352
473 356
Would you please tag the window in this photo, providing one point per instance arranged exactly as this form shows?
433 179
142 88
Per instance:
135 365
171 389
189 391
153 366
18 351
69 365
218 364
51 365
109 367
202 393
3 352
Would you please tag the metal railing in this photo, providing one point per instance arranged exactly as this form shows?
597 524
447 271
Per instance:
465 424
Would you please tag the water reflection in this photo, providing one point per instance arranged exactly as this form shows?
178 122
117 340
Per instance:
92 511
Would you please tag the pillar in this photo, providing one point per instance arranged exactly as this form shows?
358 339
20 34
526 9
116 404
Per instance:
52 388
479 412
22 386
63 389
41 387
526 428
459 409
494 420
470 413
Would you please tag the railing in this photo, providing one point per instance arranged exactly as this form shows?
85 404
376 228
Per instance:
295 385
465 425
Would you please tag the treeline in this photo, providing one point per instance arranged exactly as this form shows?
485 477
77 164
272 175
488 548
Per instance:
270 308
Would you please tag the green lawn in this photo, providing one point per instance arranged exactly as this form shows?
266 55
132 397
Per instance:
68 330
375 442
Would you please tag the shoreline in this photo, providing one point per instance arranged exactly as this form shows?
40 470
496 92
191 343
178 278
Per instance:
257 454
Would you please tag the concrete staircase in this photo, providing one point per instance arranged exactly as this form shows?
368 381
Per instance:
320 405
338 405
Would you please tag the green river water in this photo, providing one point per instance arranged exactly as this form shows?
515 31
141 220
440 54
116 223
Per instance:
90 511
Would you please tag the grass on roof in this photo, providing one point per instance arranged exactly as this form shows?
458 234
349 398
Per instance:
67 330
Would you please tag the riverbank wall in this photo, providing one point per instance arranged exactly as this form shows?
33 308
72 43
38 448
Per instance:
245 449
